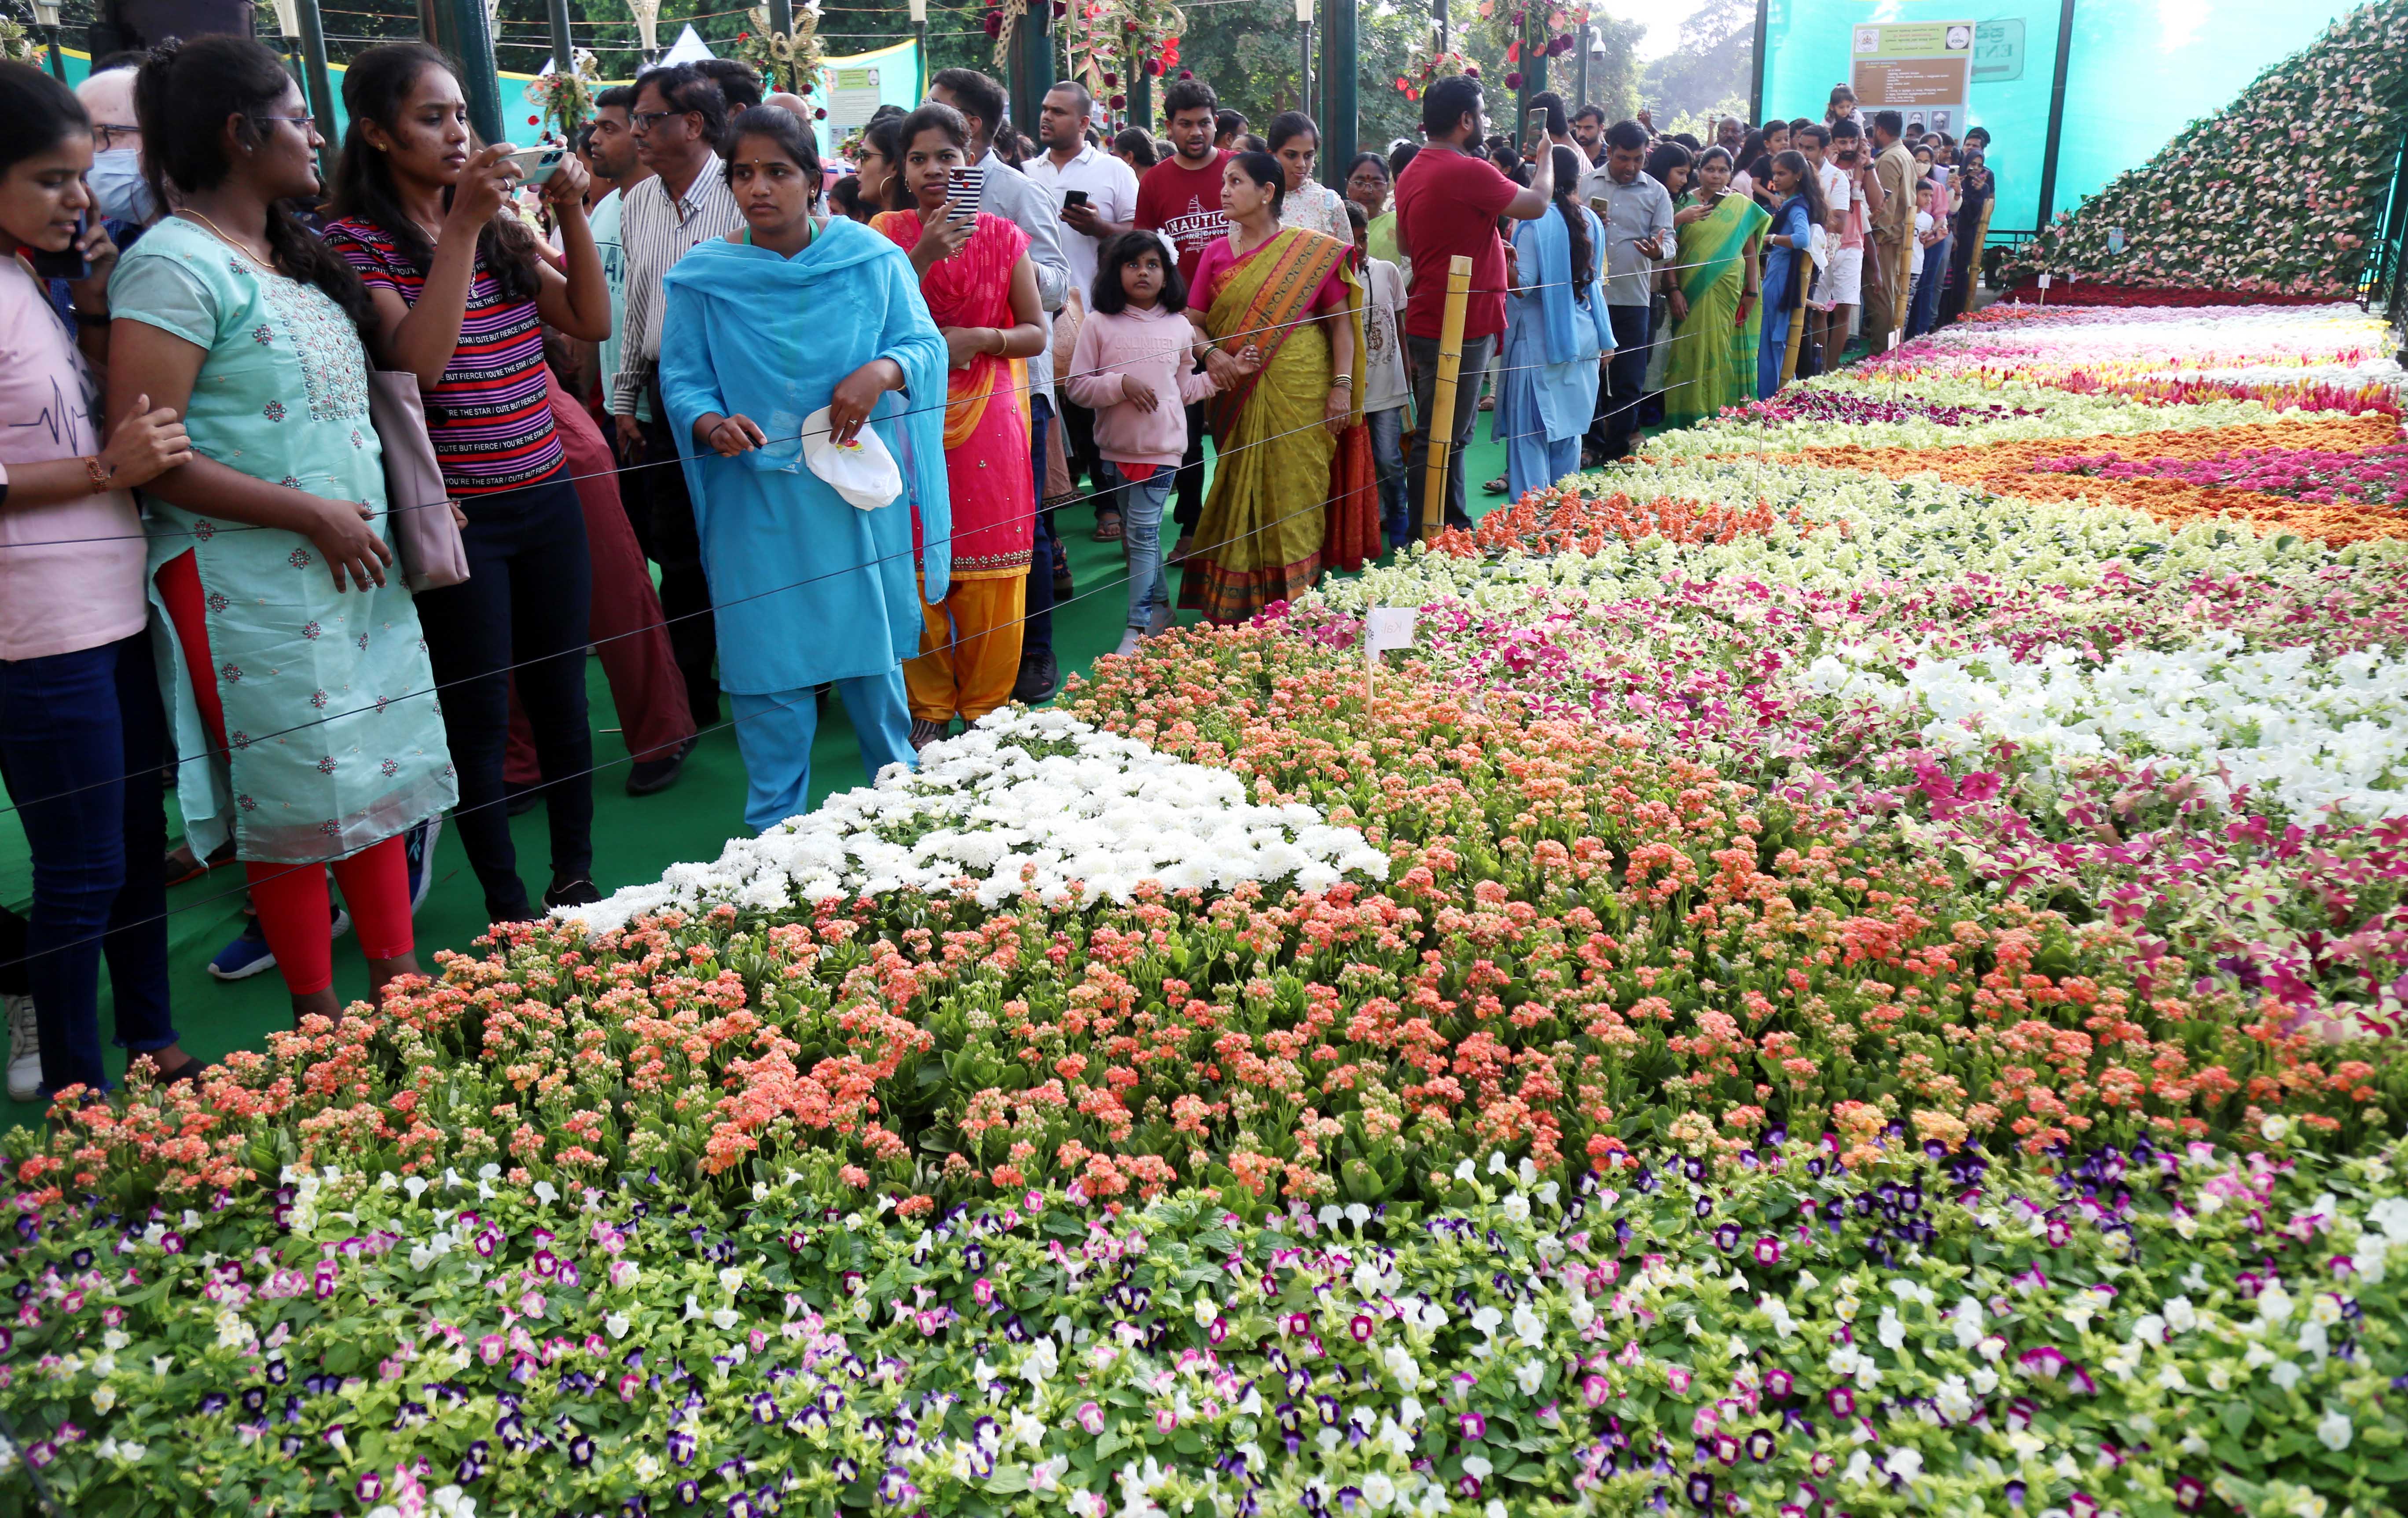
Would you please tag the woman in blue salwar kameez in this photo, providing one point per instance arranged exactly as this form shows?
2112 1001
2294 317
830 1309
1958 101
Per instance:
1556 331
793 312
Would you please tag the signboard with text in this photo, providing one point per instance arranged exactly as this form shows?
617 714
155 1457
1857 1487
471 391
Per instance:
1921 69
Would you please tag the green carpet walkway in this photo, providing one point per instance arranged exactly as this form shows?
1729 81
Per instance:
634 840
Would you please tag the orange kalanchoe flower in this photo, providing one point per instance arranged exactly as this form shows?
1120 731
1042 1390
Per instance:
2011 468
1564 520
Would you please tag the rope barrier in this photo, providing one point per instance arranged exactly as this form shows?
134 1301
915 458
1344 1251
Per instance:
629 469
1323 505
17 805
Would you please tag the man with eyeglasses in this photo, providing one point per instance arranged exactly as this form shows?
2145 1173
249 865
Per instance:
678 119
115 179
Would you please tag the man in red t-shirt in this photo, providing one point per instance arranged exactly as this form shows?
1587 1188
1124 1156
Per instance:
1180 199
1448 201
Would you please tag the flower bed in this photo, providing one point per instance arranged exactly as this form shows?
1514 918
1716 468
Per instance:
1800 992
2278 196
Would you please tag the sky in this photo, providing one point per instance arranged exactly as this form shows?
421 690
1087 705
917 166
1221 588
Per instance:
1662 18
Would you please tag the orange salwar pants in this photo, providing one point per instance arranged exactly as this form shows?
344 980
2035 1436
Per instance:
970 649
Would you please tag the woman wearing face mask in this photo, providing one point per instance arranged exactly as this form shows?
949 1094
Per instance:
1711 361
1296 142
974 272
789 558
302 693
461 294
81 735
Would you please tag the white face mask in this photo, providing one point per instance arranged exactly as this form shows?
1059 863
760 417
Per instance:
118 187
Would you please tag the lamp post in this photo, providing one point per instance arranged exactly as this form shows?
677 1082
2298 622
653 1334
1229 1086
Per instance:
1341 71
46 16
1304 56
305 49
647 27
920 48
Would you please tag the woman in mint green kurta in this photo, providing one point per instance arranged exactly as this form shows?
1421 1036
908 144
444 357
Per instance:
334 740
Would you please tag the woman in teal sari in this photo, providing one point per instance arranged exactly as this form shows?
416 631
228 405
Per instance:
808 589
1712 365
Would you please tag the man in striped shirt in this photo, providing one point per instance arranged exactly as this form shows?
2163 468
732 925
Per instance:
679 118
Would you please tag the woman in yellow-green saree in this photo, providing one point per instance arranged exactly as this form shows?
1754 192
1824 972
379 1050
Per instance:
1283 312
1712 362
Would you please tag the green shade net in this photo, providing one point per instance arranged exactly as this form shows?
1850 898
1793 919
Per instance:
2140 71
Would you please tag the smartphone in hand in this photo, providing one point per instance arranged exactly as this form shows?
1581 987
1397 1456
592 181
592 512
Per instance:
964 188
68 262
1074 198
1533 130
536 164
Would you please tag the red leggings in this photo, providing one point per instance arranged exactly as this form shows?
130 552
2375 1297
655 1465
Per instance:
294 909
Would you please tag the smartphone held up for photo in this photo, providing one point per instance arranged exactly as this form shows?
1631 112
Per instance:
963 187
536 164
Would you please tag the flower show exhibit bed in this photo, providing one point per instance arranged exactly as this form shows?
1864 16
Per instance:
1813 987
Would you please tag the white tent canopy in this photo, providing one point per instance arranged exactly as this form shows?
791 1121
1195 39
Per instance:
688 49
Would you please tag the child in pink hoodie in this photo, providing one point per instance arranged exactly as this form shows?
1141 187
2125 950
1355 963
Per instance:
1135 369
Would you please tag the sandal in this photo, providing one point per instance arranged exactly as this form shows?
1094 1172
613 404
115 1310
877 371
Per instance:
1496 486
1107 526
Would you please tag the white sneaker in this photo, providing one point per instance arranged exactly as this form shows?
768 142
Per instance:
24 1051
1130 640
1160 620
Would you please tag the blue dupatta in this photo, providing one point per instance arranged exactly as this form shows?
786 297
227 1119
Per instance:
809 587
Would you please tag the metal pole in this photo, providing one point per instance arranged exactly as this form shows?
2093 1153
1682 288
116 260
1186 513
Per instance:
2055 114
563 49
1756 70
313 70
1580 69
1341 75
1438 10
461 30
1031 65
781 21
58 60
1141 93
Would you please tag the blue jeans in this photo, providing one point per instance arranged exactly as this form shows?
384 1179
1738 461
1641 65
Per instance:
1037 633
774 734
1142 502
1388 458
81 740
1924 311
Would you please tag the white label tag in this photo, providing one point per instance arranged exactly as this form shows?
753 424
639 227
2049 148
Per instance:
2115 240
2043 281
1388 627
1893 338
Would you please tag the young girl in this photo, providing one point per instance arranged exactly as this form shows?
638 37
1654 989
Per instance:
1132 369
1387 391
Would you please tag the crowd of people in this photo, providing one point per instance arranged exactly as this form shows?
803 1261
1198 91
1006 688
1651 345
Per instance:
326 466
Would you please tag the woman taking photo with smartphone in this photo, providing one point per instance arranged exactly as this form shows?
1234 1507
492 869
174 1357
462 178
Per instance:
460 294
980 288
81 735
302 697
